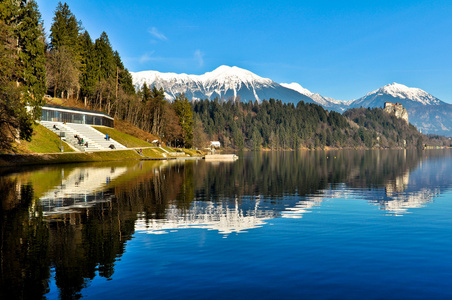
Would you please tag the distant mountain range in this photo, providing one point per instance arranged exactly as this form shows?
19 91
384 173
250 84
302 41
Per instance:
426 112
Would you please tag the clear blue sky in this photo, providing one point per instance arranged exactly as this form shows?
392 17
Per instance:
340 49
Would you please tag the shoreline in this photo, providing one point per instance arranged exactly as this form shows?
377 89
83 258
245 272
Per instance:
11 160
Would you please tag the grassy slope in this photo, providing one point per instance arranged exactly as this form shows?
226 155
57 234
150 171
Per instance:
134 131
43 141
123 138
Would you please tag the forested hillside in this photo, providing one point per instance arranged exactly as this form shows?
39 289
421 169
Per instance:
275 125
70 65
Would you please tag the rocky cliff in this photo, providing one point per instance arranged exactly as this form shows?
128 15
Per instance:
397 109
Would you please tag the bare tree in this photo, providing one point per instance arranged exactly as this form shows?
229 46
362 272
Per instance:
62 73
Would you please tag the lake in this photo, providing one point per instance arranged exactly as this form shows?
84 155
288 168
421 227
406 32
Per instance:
275 225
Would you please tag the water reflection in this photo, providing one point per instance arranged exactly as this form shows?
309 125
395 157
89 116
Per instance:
221 217
75 220
81 188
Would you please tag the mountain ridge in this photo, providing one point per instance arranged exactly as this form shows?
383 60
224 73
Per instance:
234 83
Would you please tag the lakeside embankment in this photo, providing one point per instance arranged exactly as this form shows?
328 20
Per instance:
8 160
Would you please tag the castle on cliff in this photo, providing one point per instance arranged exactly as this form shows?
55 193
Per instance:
396 109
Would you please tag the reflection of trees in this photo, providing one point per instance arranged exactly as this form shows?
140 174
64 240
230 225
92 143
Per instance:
24 244
278 174
84 243
377 168
80 245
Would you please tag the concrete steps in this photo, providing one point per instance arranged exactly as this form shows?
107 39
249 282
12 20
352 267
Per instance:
95 139
95 136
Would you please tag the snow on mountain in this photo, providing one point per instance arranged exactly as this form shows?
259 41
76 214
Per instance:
328 103
396 92
224 83
297 87
425 111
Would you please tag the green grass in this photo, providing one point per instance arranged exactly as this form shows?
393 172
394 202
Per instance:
153 152
74 157
193 152
44 141
169 149
44 149
123 138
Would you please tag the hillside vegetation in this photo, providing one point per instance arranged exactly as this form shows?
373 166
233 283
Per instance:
275 125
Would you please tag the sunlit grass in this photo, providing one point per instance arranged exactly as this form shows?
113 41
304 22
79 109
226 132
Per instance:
43 141
123 138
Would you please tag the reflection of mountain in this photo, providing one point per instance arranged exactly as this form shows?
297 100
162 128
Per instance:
208 215
395 197
399 203
301 208
158 198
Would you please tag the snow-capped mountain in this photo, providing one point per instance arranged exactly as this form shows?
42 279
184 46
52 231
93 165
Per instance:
425 111
326 102
223 83
428 113
396 92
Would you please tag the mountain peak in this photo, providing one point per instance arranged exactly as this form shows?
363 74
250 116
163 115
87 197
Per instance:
402 93
297 87
226 73
399 88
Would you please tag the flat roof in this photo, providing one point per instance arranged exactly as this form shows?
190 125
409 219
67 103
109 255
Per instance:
76 110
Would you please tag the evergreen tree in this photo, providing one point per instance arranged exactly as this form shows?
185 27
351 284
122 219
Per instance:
22 71
15 121
256 139
156 106
125 81
32 56
184 112
65 46
87 66
105 59
65 30
145 93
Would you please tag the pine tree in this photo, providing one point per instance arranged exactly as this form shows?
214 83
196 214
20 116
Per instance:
124 77
15 121
184 112
65 47
22 71
87 67
32 56
65 30
145 93
105 60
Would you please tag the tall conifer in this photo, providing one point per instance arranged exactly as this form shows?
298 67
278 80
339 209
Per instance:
87 66
30 36
65 46
65 29
184 112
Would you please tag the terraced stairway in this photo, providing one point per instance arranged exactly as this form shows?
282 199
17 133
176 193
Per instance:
95 139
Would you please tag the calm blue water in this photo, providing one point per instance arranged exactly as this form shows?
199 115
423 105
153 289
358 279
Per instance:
348 226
